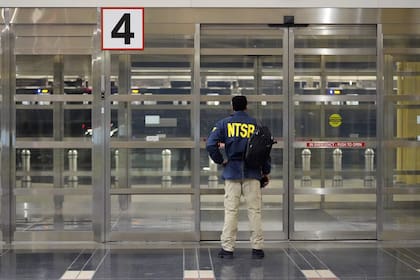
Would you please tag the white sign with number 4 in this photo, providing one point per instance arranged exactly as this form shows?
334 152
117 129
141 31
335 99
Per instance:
122 28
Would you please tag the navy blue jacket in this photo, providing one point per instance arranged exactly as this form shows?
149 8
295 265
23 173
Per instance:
234 132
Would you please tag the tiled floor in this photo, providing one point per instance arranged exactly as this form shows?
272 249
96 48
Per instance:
287 260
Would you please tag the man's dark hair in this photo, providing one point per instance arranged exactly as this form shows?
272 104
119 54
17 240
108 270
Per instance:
239 103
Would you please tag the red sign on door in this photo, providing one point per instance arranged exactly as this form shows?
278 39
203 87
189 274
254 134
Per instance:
335 144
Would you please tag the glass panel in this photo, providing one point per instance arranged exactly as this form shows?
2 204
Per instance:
152 134
226 75
167 122
152 168
335 132
335 75
401 199
235 75
153 214
169 35
38 121
40 213
260 77
321 213
341 37
347 119
34 123
271 76
235 36
53 179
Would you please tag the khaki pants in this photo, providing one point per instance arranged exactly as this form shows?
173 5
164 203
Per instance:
250 189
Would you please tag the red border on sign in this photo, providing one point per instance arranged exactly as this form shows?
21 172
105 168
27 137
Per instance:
102 28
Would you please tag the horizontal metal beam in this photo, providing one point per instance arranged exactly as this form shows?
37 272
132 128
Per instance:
142 235
242 51
337 190
150 97
81 143
162 143
53 97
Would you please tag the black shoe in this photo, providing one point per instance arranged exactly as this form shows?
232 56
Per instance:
223 254
257 254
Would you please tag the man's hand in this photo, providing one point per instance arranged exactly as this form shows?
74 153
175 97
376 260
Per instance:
264 180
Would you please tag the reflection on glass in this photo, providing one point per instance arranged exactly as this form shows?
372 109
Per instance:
317 120
153 213
161 123
48 213
235 75
151 168
336 75
329 216
258 37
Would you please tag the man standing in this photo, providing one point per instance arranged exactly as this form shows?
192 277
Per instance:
232 133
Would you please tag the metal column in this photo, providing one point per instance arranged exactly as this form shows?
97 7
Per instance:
7 125
382 112
101 118
195 127
124 128
288 128
58 133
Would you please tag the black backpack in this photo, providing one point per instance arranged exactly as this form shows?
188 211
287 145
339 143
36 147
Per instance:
259 147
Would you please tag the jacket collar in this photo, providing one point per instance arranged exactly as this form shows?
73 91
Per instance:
240 113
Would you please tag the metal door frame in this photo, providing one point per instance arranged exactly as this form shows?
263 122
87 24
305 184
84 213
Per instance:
8 136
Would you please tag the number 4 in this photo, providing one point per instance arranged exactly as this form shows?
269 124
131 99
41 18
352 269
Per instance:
127 34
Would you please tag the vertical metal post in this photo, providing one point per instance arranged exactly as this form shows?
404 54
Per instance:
58 134
322 108
195 132
213 179
369 165
386 158
166 168
73 178
306 168
101 119
337 162
124 129
381 114
288 128
26 168
7 127
257 76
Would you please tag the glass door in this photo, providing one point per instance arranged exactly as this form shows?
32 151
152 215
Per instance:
333 134
250 61
51 107
401 193
152 139
315 87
